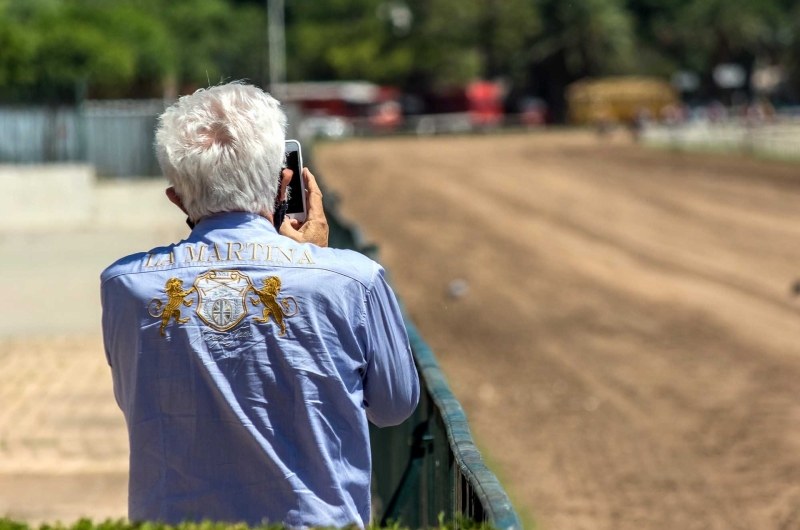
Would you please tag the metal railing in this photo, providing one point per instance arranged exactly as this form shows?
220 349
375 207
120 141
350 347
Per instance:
429 465
116 137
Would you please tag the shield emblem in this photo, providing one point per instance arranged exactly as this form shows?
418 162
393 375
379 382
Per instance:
222 298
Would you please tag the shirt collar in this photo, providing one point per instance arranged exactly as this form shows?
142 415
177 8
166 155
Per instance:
233 220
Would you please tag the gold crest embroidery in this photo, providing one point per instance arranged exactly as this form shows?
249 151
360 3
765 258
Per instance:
222 298
222 301
268 295
175 297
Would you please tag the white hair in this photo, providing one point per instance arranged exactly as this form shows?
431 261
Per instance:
222 149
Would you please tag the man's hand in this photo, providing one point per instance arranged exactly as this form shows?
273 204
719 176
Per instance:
315 229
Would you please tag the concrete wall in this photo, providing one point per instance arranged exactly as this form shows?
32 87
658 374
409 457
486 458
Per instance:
64 198
136 205
46 197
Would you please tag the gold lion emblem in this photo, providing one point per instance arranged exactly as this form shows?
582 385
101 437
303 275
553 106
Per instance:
175 297
268 295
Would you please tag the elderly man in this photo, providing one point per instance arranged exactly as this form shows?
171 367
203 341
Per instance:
247 362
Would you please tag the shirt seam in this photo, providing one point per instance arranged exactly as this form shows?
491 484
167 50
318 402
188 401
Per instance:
207 223
367 295
239 263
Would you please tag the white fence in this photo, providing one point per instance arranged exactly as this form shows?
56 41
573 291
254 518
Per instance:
776 139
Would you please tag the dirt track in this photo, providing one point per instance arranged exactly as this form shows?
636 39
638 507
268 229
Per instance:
628 351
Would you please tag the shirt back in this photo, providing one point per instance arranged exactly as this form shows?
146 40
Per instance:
247 366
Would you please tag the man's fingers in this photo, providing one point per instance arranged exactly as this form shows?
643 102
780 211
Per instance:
289 229
315 229
286 179
311 182
315 209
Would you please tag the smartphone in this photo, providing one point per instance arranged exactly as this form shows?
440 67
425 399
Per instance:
296 205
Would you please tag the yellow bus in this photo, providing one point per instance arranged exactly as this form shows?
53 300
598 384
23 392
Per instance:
618 99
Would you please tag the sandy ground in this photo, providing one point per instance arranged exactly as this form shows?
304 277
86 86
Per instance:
628 350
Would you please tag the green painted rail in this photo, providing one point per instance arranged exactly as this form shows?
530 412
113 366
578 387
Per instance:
429 465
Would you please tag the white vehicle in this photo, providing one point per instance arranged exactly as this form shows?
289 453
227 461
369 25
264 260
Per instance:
326 127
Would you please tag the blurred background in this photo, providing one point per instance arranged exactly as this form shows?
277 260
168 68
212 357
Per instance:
589 207
383 65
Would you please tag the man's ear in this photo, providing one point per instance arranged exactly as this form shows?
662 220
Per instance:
174 199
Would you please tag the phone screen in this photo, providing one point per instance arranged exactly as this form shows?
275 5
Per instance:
295 202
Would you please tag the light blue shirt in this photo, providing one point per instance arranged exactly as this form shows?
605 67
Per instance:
247 366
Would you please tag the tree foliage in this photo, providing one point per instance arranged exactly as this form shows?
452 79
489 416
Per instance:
343 39
136 48
124 48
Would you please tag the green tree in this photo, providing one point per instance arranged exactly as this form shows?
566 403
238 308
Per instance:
581 38
140 48
50 46
344 39
17 51
508 30
697 35
445 42
215 41
125 48
146 37
791 51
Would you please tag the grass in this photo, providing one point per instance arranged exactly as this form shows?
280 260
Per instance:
527 519
121 524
